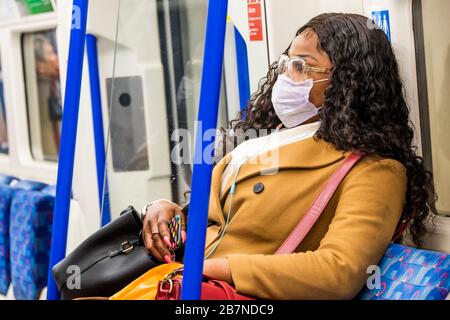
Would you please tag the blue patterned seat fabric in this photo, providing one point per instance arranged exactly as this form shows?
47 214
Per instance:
5 205
29 185
6 180
24 228
30 232
50 190
411 274
6 194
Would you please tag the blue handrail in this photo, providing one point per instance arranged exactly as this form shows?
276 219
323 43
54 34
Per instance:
202 172
68 136
243 70
97 118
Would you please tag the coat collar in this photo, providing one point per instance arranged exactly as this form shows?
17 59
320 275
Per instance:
305 154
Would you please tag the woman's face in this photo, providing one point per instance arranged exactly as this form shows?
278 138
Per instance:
306 46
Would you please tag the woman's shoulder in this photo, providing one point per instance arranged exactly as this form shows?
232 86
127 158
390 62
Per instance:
373 161
380 166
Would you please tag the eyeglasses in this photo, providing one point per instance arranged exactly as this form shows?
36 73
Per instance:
297 68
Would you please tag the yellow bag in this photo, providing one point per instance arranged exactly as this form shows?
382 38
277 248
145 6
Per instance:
146 286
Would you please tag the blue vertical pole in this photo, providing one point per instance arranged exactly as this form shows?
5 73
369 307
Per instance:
242 68
201 178
68 138
99 136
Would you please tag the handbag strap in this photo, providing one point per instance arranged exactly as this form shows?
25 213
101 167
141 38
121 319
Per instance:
310 218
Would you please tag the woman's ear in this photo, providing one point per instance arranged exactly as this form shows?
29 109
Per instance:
317 94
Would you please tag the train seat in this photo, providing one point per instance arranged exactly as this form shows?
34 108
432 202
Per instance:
6 180
5 205
28 185
30 237
411 274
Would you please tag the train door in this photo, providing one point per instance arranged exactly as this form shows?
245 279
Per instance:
150 59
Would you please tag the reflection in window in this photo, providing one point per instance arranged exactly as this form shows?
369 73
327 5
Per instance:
43 93
182 36
4 147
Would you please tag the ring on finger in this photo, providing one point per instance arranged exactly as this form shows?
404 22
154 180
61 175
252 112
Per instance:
155 232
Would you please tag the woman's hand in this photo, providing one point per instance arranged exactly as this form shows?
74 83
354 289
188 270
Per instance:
218 269
155 228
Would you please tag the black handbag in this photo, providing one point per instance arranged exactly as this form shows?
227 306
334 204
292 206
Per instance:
107 261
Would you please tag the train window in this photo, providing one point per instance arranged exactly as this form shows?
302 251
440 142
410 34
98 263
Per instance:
4 147
437 56
43 93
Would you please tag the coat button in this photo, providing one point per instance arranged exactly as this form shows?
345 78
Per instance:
258 188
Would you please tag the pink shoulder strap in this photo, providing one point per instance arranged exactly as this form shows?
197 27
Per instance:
310 218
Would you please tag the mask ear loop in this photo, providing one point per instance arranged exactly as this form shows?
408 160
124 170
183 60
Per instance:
319 81
232 192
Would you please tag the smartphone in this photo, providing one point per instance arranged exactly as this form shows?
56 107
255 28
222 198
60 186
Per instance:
175 232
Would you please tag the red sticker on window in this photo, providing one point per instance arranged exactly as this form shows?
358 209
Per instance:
255 20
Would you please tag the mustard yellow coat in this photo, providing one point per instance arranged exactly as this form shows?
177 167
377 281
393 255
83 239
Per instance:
351 235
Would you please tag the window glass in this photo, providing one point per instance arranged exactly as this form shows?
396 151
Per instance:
4 147
437 55
43 94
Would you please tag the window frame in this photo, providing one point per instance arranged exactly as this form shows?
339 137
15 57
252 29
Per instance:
4 155
21 161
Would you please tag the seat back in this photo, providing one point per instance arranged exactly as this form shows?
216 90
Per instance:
6 193
6 180
30 232
30 237
8 185
29 185
411 274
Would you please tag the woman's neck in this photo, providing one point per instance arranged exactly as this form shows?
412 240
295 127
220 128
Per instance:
312 120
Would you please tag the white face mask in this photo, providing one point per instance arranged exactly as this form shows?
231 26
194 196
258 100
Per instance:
291 101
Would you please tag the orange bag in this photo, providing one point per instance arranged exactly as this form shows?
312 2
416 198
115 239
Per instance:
146 286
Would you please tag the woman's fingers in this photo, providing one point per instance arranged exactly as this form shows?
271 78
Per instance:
151 237
157 239
163 227
151 247
162 249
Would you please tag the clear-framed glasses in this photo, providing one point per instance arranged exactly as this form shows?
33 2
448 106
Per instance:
297 69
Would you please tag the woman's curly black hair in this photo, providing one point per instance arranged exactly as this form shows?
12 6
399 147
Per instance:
364 106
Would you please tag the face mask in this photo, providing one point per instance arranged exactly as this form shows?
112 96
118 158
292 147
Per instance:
291 101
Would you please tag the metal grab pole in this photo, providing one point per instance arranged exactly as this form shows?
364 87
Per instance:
201 178
99 136
68 138
243 70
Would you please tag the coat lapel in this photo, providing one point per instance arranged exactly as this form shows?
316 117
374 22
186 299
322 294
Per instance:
214 199
305 154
